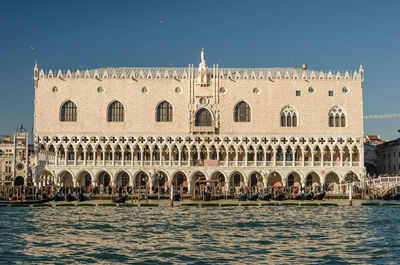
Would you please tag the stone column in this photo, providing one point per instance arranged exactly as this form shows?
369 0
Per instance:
123 157
112 157
180 157
75 157
341 158
94 158
331 159
246 158
312 157
170 155
284 157
151 157
84 157
104 158
56 158
351 157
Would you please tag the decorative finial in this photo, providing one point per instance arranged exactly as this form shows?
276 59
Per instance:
202 65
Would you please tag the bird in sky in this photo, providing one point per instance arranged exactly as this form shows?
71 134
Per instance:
32 48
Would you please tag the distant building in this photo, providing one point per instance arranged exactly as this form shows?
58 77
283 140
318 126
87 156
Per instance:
16 159
388 157
370 157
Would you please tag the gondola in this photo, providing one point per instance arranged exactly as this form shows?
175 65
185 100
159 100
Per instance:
297 197
396 197
27 202
120 200
309 196
82 198
242 197
252 197
265 197
280 197
319 196
176 196
59 198
70 198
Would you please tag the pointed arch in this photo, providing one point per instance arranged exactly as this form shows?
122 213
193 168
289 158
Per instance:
203 118
337 117
289 117
115 112
242 112
164 112
68 111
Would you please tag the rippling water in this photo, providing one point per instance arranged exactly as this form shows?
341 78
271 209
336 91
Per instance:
163 235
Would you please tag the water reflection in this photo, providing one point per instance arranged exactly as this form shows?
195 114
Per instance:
236 235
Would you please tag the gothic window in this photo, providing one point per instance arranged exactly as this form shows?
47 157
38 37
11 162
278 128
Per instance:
337 117
115 112
68 111
203 118
242 112
164 112
288 117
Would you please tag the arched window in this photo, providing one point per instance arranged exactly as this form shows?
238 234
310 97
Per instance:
242 112
203 118
343 120
337 117
68 111
164 112
288 117
115 112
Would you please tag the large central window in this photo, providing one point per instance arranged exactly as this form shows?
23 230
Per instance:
68 111
164 112
115 112
242 112
203 118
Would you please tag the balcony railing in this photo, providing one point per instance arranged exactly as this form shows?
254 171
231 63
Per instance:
279 163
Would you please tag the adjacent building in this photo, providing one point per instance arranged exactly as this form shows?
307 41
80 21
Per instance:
16 159
388 157
240 126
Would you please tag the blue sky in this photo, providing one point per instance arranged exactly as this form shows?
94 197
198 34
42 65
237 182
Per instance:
327 35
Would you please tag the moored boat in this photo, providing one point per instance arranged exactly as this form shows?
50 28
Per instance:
120 200
27 202
265 197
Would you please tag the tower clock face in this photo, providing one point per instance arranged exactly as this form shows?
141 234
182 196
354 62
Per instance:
20 166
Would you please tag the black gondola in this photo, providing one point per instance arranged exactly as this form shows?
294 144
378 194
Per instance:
396 197
265 197
59 198
309 196
82 198
27 202
70 198
252 197
280 197
242 197
120 200
319 196
176 196
297 197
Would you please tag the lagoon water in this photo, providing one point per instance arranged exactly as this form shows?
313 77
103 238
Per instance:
197 235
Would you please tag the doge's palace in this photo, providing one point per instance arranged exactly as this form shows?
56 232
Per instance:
119 126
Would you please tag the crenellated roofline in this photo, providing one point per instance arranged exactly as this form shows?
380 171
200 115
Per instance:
136 73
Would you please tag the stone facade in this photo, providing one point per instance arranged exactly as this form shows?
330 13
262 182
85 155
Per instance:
16 159
300 126
388 157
